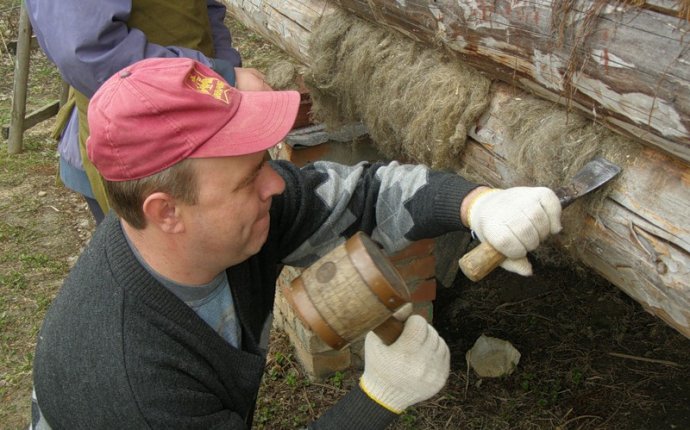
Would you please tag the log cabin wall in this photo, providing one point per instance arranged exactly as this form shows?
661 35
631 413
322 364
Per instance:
639 239
625 66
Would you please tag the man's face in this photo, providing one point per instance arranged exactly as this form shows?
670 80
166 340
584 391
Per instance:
230 221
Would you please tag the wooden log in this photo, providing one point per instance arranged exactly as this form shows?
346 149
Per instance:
286 23
639 240
625 66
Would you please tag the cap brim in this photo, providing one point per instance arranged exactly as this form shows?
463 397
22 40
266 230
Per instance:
262 119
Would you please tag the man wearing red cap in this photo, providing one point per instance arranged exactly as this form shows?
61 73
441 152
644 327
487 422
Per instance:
164 320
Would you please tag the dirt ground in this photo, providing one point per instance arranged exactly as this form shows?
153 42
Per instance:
591 357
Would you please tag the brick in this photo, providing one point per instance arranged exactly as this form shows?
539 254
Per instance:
322 365
294 327
357 354
415 270
415 249
424 291
425 309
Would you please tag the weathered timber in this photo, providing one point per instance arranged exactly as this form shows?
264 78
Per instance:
673 8
286 23
21 78
628 67
639 239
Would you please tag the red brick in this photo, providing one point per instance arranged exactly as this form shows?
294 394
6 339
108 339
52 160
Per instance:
415 249
425 291
416 269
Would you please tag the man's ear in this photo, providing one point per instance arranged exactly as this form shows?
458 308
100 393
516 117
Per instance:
160 210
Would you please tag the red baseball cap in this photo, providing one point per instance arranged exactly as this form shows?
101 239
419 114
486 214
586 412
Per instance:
160 111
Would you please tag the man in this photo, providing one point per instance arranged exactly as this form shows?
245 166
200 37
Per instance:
89 41
163 321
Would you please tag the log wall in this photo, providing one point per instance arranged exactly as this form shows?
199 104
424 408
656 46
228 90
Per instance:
629 67
640 239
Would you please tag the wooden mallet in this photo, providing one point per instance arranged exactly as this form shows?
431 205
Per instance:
351 290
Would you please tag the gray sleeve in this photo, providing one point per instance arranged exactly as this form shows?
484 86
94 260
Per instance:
355 411
325 203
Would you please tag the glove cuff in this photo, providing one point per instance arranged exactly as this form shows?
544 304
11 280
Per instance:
475 198
381 396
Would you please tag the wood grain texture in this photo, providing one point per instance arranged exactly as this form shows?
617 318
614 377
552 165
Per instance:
627 67
639 239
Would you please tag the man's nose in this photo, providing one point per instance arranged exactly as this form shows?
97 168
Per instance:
272 183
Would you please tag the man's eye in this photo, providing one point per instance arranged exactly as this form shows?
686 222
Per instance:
251 179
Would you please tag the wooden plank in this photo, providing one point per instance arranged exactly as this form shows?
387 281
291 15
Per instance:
46 112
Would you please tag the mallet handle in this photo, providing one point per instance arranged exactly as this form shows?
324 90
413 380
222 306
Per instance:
389 330
480 261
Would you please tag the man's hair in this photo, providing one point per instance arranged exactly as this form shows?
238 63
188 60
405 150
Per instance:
127 197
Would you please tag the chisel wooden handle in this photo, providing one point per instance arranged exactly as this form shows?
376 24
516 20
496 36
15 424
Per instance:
480 261
483 259
389 331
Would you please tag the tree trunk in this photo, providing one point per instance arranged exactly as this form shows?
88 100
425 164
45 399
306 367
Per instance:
639 239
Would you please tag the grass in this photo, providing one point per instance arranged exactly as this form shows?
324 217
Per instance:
32 265
36 243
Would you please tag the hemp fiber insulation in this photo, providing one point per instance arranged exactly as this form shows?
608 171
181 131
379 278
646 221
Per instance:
549 144
417 102
284 75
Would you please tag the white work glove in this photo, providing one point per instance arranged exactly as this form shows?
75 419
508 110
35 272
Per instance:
514 221
412 369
